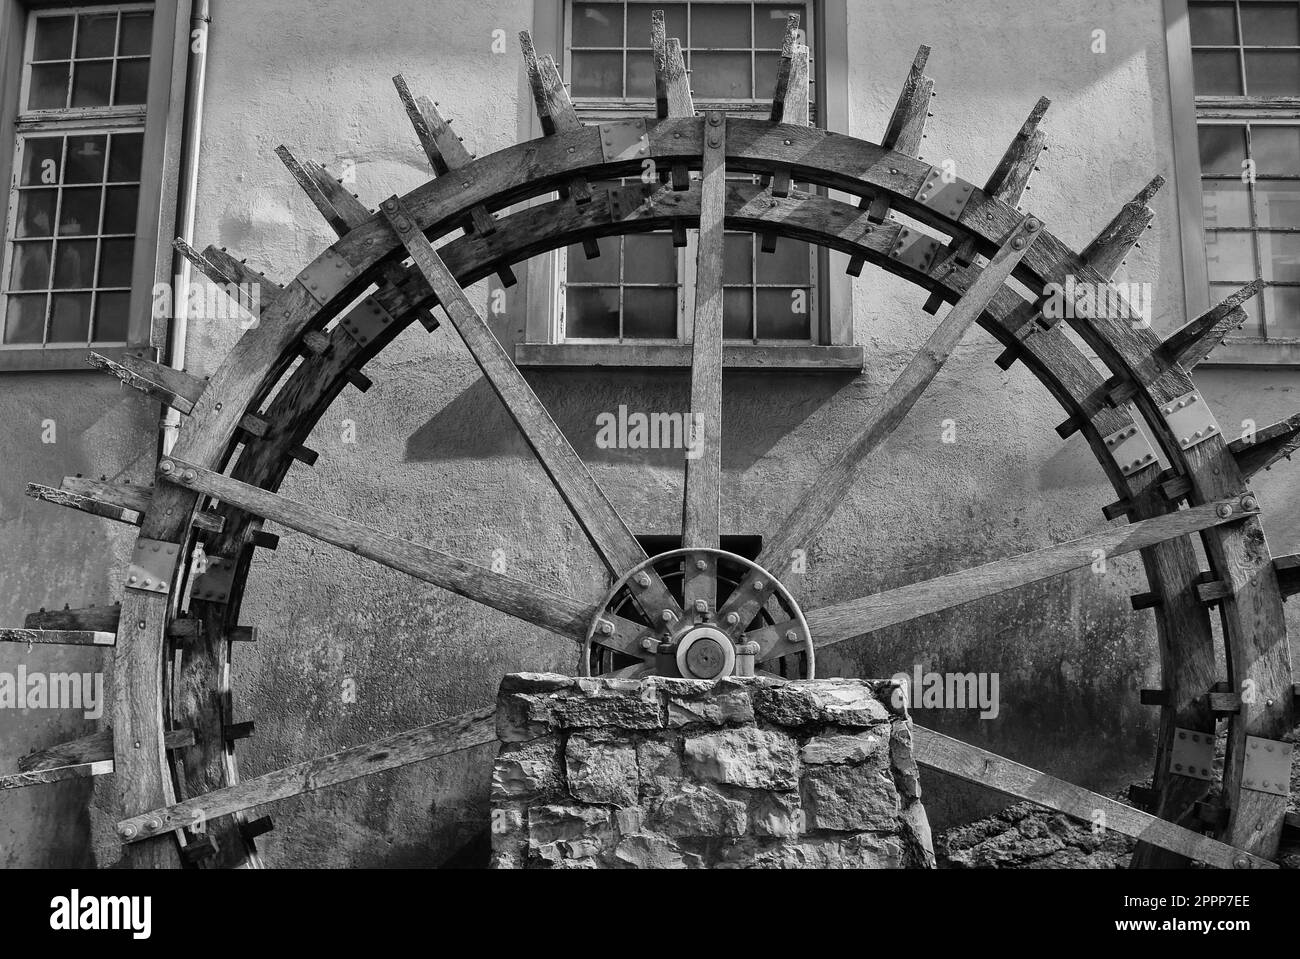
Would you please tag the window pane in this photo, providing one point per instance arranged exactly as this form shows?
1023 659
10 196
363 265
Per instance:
1223 149
79 212
41 160
124 164
25 319
49 89
119 209
1225 203
1213 24
783 314
765 68
1277 203
1230 257
111 313
1273 73
74 265
602 269
1275 150
31 267
90 83
597 74
769 23
137 30
1270 24
738 313
592 313
719 25
649 258
1282 305
737 258
132 83
96 35
36 212
600 24
1216 73
640 73
1279 254
721 76
70 318
115 261
789 264
53 39
1251 328
85 159
649 314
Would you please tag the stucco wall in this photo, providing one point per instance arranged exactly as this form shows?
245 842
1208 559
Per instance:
436 459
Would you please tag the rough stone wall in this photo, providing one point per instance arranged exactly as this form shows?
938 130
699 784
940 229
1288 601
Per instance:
677 773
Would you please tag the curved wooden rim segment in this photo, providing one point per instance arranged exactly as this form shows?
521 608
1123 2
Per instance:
371 250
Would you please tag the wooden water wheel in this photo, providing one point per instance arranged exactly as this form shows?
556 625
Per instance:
697 611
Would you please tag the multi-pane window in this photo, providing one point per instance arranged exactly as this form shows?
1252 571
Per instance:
71 234
642 288
1245 56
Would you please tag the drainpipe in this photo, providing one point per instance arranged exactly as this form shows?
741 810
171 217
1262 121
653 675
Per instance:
192 129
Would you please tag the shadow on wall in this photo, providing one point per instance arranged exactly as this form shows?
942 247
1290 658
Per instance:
758 411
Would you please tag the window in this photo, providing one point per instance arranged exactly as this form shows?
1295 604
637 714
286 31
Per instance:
1245 87
88 157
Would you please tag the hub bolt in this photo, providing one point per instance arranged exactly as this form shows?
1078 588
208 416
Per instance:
733 619
668 616
701 606
643 579
606 628
701 565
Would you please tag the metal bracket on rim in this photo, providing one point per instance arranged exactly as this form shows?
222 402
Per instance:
1130 449
366 321
947 198
1192 754
624 140
915 249
1268 766
214 583
153 564
327 277
1190 420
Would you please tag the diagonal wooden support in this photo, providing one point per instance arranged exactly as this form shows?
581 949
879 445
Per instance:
1267 447
971 763
1008 182
554 108
116 501
904 134
1104 254
672 86
618 548
701 502
392 752
816 506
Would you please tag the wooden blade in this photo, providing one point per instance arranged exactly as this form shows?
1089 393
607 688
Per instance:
784 69
117 501
92 618
672 87
533 604
554 108
59 637
95 748
836 623
392 752
443 148
42 776
1192 343
1107 251
974 765
341 210
232 277
1011 176
907 123
176 388
703 487
1267 447
618 548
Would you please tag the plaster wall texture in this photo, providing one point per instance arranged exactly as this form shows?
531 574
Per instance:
436 458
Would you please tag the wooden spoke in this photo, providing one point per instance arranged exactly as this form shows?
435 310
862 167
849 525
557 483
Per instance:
95 748
533 604
819 503
841 621
392 752
672 86
703 486
952 756
615 543
59 637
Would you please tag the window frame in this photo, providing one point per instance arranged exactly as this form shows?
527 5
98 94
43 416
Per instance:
830 345
1189 112
160 163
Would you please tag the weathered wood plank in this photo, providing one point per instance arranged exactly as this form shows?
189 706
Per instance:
970 763
1192 343
533 604
1108 248
341 210
95 748
842 621
618 548
124 502
91 618
1267 447
907 123
784 70
672 86
176 388
43 776
392 752
554 108
58 637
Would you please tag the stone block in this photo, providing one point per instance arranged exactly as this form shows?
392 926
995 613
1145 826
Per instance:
849 798
529 771
601 771
750 757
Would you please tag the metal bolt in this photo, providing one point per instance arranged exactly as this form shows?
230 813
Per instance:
759 585
791 636
190 476
1018 243
1241 862
668 616
1249 502
1178 767
1224 511
167 466
701 565
701 606
733 619
1182 735
650 644
606 628
643 579
127 831
153 824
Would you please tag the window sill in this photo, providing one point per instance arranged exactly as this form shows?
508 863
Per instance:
741 356
1278 353
64 359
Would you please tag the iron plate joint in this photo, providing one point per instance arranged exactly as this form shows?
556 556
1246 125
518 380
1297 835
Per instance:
1190 420
153 565
1268 766
1192 754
